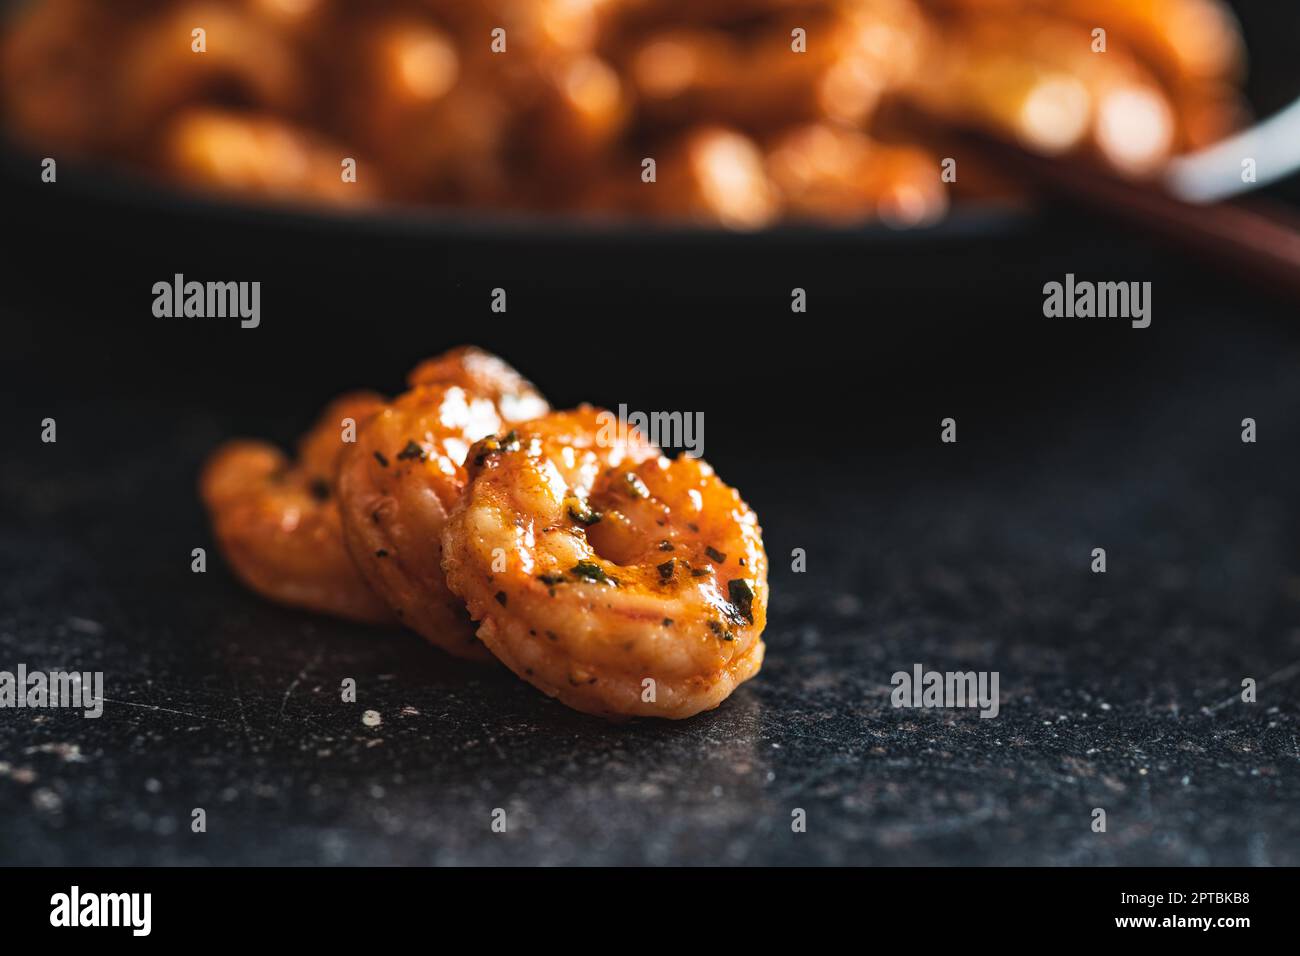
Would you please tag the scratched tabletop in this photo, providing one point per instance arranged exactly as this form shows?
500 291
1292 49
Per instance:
1119 691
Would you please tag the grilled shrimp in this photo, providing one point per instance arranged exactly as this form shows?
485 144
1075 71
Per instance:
606 575
277 522
485 375
406 471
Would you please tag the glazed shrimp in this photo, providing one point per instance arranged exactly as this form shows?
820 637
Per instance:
485 375
406 471
277 522
606 575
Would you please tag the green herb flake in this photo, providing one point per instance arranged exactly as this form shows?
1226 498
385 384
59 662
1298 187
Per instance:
379 457
590 571
551 579
742 598
716 555
492 445
501 598
583 513
665 545
412 450
667 568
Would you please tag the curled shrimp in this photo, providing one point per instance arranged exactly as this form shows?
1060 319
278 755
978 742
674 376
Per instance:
484 374
277 522
606 575
405 473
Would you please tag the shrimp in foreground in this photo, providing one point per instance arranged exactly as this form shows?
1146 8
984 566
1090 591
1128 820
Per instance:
277 522
606 575
406 471
485 375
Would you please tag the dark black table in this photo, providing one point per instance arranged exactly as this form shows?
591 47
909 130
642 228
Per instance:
1119 690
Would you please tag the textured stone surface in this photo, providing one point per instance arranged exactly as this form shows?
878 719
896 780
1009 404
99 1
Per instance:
1118 691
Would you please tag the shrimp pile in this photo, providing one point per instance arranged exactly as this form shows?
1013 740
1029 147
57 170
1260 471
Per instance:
752 111
282 525
608 576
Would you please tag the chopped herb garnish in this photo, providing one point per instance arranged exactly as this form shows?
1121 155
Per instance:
635 486
667 568
320 489
381 553
699 572
412 450
551 578
379 457
717 628
582 512
665 545
501 598
742 596
693 526
492 445
716 555
590 571
668 622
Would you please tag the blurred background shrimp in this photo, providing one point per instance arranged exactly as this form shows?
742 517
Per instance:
754 111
